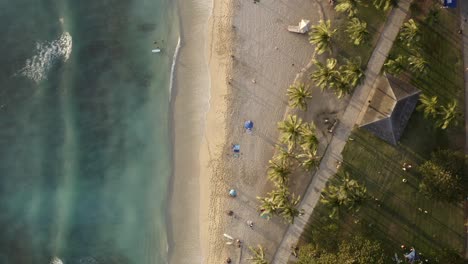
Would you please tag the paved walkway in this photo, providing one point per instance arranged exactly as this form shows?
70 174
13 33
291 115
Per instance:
351 116
464 27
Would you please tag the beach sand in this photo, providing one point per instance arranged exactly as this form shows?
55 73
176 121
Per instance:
252 61
251 85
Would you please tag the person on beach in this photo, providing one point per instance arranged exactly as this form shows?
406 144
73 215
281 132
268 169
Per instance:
294 250
250 224
238 243
228 260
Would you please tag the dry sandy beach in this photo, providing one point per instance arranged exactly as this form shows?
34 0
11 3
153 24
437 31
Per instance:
252 60
265 52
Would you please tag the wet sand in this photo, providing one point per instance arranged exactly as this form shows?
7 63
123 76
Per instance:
190 104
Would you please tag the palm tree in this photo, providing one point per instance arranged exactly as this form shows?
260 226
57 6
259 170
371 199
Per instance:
357 30
395 66
352 72
290 130
358 194
346 193
278 171
348 6
326 75
342 87
258 255
433 16
383 4
308 159
417 63
283 154
309 141
298 95
448 114
321 36
428 105
280 202
409 32
273 202
268 207
289 211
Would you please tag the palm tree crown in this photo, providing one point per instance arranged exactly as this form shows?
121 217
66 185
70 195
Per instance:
448 115
428 105
352 71
409 32
321 36
290 130
280 202
298 95
326 75
308 160
395 66
348 6
258 255
278 171
309 141
417 63
283 154
383 4
347 193
357 30
342 87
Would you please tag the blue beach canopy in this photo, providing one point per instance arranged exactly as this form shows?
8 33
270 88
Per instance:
248 124
450 3
233 193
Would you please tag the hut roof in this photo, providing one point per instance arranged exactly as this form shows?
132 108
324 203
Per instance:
390 108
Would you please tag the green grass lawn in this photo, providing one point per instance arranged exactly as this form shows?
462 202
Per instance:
440 45
342 44
395 218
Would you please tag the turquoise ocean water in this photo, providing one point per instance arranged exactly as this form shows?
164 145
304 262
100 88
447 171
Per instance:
85 154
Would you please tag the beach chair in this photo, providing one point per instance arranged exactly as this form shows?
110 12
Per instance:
236 150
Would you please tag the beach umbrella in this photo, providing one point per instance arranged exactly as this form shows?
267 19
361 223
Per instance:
248 124
233 193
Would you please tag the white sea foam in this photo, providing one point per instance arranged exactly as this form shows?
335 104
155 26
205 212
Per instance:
47 53
174 61
56 260
88 260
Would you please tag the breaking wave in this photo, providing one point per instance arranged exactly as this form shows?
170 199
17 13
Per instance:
47 53
56 260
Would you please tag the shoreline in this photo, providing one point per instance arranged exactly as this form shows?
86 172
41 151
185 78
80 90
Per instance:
189 104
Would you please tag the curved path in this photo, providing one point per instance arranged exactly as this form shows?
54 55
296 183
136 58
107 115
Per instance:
351 116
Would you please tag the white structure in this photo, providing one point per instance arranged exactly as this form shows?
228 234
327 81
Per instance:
302 28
